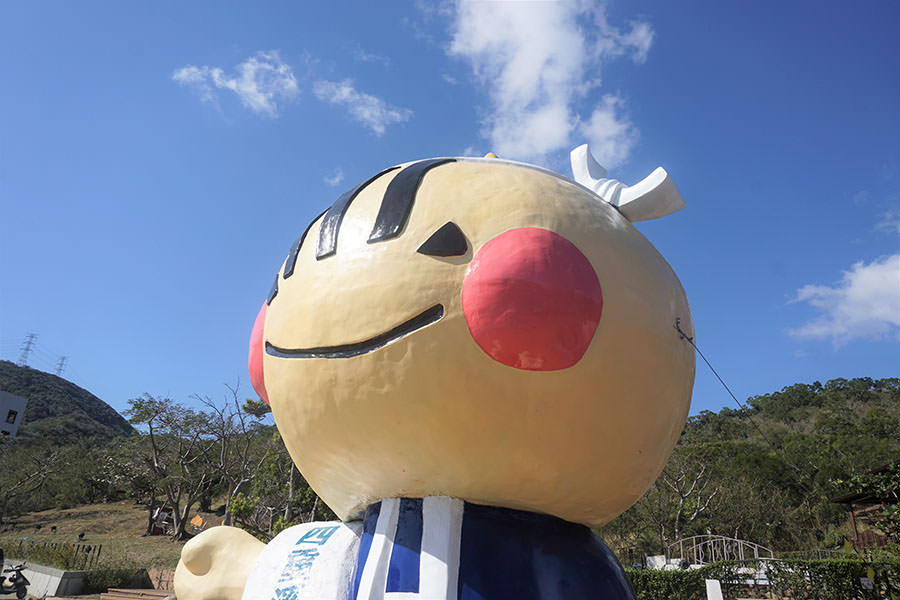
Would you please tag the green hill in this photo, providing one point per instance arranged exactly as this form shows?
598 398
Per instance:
822 431
767 472
58 409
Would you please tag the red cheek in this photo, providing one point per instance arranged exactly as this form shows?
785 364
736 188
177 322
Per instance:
532 300
257 350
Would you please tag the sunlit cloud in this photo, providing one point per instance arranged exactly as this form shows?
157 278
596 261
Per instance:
611 133
260 82
864 304
538 61
335 178
371 111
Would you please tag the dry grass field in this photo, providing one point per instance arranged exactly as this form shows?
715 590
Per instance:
118 526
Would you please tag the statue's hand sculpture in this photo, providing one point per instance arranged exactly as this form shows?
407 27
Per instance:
215 564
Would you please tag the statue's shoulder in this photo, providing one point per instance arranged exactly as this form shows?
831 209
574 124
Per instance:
310 560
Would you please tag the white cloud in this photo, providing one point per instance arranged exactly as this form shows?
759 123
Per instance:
538 60
334 179
449 79
865 304
260 82
371 57
373 112
611 134
197 78
890 221
613 42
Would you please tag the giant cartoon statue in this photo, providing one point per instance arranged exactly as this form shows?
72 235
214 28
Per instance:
472 362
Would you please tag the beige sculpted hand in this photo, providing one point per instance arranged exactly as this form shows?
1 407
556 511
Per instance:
215 564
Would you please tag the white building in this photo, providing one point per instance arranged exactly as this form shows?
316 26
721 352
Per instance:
12 411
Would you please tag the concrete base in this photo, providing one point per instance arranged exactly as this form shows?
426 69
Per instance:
47 581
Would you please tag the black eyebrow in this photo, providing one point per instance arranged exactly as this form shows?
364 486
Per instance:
273 291
331 224
295 248
399 197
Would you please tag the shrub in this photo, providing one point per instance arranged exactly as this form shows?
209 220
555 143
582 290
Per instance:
833 579
651 584
837 579
121 575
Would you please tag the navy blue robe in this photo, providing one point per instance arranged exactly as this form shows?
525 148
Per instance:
490 553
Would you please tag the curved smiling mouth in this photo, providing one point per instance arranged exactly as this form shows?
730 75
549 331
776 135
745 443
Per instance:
426 317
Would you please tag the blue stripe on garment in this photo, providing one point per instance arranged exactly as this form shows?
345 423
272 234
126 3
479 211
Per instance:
365 543
403 572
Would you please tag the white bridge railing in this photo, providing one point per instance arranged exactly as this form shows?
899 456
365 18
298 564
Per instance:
705 549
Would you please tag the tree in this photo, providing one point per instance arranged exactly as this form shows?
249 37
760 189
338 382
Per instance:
676 505
174 451
277 495
124 468
25 473
881 487
257 408
235 453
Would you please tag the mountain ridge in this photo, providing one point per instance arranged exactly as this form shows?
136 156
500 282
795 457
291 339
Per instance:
59 409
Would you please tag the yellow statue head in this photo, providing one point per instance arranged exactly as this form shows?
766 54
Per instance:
481 329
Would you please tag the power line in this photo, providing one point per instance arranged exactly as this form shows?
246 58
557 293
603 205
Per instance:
40 350
26 349
32 352
744 411
690 340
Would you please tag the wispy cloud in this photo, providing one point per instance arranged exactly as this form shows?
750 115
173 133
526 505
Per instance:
260 82
538 61
890 221
263 81
371 57
864 304
335 178
371 111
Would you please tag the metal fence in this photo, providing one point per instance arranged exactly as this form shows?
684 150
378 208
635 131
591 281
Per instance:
705 549
72 557
815 554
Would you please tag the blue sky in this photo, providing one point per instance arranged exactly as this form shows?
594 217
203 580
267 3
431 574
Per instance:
157 160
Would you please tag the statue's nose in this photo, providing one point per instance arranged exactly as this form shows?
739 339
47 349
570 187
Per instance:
532 300
257 351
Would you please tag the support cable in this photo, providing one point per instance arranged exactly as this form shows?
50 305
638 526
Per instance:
746 412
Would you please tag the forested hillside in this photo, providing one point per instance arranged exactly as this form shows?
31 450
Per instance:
767 473
58 410
221 457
